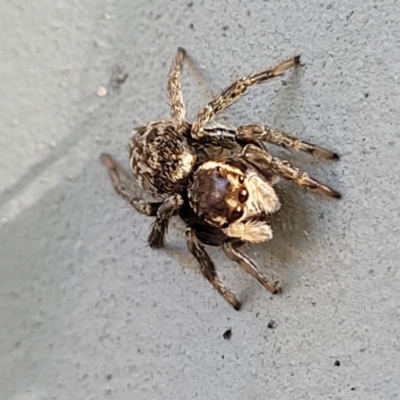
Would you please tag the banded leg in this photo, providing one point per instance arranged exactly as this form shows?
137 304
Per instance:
164 214
174 89
233 93
125 186
248 265
262 160
258 132
208 269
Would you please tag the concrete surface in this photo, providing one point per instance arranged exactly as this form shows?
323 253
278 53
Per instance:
89 311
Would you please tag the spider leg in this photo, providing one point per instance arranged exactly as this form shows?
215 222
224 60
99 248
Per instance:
174 89
165 212
208 269
248 265
233 93
262 160
257 132
125 186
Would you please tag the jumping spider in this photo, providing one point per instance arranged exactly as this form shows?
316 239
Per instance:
225 200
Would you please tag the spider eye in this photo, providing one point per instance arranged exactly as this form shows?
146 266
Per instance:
236 214
243 195
225 225
241 179
218 170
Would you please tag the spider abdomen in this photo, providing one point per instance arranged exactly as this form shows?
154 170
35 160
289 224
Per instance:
161 158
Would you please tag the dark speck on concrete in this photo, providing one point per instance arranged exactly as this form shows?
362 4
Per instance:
227 334
272 324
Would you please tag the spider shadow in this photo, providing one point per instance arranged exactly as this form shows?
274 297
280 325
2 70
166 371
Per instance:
198 76
291 226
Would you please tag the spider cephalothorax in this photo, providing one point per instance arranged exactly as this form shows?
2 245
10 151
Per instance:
234 197
225 200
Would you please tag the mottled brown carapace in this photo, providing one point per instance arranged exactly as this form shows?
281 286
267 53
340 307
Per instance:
220 180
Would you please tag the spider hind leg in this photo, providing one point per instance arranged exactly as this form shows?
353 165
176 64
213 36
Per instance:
233 93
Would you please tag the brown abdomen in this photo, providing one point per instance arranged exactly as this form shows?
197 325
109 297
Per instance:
161 159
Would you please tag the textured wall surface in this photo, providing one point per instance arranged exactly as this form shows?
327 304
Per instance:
89 311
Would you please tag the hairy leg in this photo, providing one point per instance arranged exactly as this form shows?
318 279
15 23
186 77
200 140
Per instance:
208 269
262 160
258 132
248 265
233 93
126 187
174 89
164 214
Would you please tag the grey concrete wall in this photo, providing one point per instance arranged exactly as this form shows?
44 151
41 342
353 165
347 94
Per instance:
89 311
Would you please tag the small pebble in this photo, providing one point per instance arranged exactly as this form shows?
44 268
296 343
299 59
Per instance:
102 91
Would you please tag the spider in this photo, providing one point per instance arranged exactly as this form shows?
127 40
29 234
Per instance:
225 200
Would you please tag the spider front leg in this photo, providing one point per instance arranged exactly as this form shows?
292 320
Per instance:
262 160
233 93
208 269
160 226
248 265
125 186
174 89
249 133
